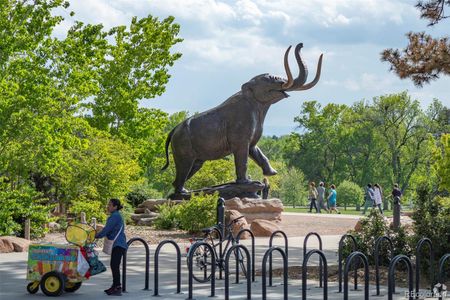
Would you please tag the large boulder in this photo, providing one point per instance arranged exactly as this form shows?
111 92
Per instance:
13 243
151 204
148 214
263 227
253 209
6 246
146 221
239 225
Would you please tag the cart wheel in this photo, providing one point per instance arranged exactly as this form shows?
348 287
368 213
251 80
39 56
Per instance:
52 284
72 286
33 287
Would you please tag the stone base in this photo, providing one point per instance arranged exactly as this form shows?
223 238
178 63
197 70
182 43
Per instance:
261 216
226 191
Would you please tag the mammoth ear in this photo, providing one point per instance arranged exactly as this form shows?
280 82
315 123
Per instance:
247 90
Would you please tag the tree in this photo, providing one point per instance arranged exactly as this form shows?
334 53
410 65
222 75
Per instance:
293 187
69 106
425 57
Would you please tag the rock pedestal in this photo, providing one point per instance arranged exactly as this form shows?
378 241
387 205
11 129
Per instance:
226 190
261 216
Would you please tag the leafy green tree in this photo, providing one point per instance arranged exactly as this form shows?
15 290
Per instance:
350 194
293 187
443 162
401 125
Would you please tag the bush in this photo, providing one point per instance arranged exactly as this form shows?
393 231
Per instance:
92 208
197 213
432 220
140 193
167 218
372 227
20 204
349 194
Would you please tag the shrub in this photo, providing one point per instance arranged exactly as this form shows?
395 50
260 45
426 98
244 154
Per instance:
167 218
349 193
372 227
140 193
92 208
432 220
197 213
20 204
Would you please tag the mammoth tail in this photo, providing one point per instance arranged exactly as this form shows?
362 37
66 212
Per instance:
169 138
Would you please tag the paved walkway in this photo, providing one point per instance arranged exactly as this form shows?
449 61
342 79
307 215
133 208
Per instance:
13 271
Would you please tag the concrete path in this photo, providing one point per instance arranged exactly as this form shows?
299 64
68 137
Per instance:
13 283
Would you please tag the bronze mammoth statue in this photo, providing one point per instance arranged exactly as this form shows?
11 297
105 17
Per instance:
235 126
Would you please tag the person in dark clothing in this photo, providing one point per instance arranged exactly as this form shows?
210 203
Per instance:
265 190
115 230
396 192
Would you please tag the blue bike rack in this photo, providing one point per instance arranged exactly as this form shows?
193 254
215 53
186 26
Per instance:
157 251
391 277
285 272
354 248
147 264
234 249
348 260
305 273
286 249
213 268
238 238
377 260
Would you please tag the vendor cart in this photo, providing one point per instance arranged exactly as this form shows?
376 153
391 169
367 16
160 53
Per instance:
56 268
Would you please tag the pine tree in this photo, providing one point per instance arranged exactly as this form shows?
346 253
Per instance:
425 58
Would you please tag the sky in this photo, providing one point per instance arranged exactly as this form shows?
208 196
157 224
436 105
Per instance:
226 43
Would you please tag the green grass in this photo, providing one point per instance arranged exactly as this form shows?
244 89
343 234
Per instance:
349 211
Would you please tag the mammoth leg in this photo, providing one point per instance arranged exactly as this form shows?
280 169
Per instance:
183 167
197 166
240 162
262 161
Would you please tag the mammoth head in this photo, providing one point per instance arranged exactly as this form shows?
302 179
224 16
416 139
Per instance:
269 89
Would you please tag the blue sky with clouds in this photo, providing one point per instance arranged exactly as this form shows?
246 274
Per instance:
226 43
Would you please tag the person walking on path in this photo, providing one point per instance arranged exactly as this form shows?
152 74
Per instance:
369 198
114 230
332 199
378 195
312 196
321 197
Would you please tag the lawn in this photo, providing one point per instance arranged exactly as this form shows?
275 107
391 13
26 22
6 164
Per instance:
349 211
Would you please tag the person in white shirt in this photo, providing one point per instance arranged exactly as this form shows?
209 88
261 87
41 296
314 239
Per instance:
378 193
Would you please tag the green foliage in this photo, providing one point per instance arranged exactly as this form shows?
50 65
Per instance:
212 173
374 226
20 204
293 187
350 194
93 209
167 218
104 169
197 213
141 192
432 219
443 162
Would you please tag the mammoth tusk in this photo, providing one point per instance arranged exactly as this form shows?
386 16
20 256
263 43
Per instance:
302 70
290 81
315 80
